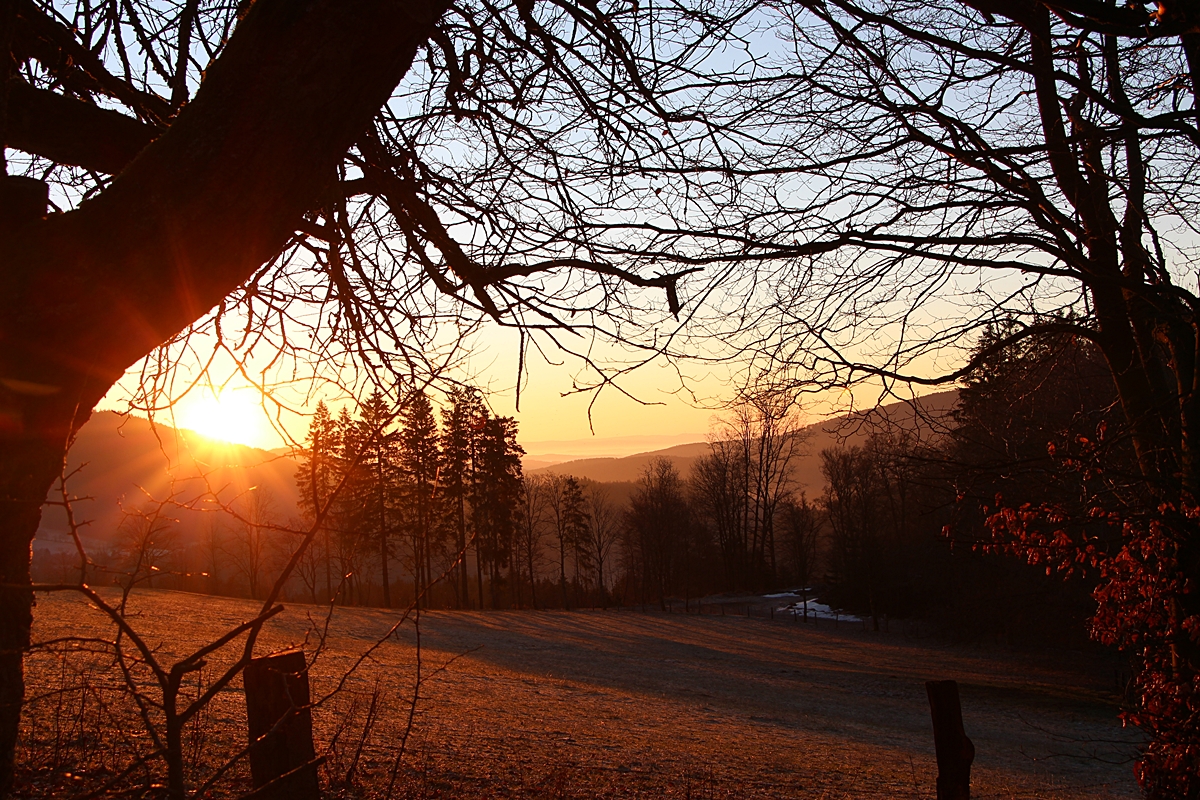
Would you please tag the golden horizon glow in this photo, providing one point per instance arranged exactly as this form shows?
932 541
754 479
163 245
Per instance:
234 415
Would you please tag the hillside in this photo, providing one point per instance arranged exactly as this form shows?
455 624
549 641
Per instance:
125 463
587 705
922 417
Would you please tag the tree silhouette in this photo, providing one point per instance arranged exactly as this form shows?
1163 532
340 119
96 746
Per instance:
317 477
568 515
419 459
460 423
496 497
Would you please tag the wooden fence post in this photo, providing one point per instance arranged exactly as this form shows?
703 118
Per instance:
283 763
955 752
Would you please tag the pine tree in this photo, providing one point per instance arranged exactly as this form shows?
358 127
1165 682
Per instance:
317 477
379 470
419 460
459 431
496 497
349 519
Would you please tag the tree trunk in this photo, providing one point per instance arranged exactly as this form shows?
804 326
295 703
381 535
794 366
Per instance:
33 444
462 585
562 571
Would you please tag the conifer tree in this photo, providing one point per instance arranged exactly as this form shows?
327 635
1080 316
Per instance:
349 520
318 475
459 431
496 495
419 462
379 473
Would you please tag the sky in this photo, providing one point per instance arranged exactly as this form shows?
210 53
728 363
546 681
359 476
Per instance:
652 413
652 408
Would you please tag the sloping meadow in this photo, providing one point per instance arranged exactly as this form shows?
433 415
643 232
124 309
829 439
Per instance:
578 705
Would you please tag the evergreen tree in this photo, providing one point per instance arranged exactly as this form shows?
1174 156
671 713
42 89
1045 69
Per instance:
419 463
349 520
317 477
460 424
380 475
496 497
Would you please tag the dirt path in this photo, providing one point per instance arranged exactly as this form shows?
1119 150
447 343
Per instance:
621 704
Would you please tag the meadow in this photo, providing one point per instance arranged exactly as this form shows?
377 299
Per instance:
589 704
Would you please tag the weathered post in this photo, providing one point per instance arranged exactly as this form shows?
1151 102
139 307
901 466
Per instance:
283 763
955 752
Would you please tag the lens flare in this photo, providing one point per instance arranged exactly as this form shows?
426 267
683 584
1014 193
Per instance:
230 416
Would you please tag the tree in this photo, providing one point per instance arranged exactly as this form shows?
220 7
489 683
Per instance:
248 547
495 498
568 514
739 484
379 479
459 431
870 503
351 511
852 506
801 529
718 495
531 525
602 534
318 476
419 460
658 519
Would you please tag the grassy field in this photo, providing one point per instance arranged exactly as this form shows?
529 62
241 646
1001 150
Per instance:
610 704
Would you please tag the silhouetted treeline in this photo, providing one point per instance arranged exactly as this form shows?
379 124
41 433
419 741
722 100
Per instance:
411 501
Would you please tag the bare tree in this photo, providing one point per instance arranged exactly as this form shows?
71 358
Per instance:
602 533
739 484
146 541
568 517
801 536
249 547
532 519
658 525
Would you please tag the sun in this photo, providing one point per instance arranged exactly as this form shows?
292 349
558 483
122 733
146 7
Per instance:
234 415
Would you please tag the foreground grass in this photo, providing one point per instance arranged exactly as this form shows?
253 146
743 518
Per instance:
594 704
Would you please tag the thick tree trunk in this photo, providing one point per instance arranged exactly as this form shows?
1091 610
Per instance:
34 432
85 294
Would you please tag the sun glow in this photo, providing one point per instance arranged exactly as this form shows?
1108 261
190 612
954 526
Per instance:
234 415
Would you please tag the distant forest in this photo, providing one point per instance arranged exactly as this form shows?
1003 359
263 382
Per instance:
414 502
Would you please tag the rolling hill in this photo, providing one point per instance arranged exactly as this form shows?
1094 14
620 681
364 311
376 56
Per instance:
922 417
124 463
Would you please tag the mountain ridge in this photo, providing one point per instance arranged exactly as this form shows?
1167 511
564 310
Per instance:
921 416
